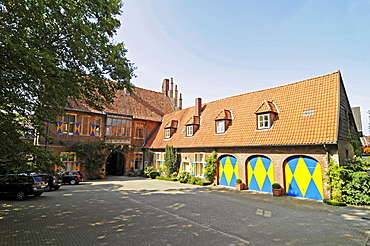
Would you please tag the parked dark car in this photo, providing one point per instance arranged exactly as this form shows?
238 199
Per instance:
54 183
71 177
22 185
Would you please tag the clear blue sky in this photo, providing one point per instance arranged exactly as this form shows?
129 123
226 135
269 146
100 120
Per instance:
219 48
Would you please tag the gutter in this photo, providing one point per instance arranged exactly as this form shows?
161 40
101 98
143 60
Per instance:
249 146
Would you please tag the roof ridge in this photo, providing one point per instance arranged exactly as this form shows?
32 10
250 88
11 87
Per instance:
272 88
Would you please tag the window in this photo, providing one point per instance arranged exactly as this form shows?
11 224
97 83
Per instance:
118 127
85 126
189 130
69 123
220 126
263 121
68 159
139 130
97 126
138 160
167 133
157 158
198 169
198 165
185 167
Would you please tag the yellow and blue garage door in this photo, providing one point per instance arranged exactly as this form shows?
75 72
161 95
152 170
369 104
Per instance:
228 170
303 177
260 173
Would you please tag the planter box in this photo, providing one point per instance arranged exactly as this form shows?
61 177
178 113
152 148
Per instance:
239 186
277 192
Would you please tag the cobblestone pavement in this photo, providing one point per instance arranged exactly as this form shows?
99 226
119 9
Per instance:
137 211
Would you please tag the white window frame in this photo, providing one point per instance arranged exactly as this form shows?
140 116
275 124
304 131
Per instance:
263 121
118 127
185 167
97 126
189 130
157 158
199 164
220 126
167 133
69 126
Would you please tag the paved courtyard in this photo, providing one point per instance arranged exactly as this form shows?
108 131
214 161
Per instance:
137 211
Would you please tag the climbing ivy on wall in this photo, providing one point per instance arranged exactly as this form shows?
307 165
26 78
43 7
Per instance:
211 166
353 138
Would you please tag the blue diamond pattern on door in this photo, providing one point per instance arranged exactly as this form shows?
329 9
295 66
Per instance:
228 170
303 177
260 173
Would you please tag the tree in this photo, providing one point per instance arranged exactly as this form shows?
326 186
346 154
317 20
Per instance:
170 160
92 155
51 50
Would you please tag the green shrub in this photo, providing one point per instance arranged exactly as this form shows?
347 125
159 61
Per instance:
183 177
194 180
148 170
334 203
276 186
238 181
356 191
154 174
166 178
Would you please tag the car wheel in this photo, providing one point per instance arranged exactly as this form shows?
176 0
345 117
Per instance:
21 195
73 182
56 188
48 188
38 194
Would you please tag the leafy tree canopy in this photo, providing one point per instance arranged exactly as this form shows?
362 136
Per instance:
51 50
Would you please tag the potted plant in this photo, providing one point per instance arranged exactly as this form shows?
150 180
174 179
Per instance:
239 185
277 190
102 175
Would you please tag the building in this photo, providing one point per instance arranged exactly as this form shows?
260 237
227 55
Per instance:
129 122
285 134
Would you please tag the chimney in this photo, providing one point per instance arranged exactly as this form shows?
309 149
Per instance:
171 89
176 96
165 86
198 106
180 102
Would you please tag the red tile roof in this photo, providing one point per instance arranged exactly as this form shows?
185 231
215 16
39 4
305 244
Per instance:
143 104
308 113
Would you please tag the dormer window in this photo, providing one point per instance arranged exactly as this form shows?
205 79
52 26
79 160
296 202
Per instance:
167 133
192 125
170 128
223 121
266 115
220 126
189 130
263 121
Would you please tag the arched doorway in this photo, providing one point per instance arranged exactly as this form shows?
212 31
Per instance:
260 173
303 177
115 164
228 170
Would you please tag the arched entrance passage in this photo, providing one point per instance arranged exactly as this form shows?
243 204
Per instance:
260 173
115 164
303 177
228 170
